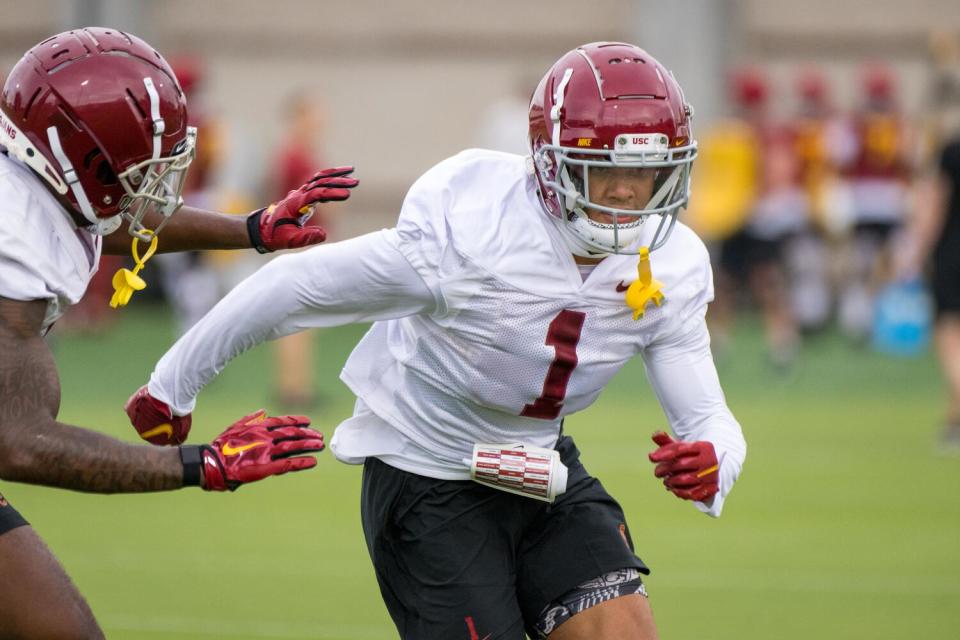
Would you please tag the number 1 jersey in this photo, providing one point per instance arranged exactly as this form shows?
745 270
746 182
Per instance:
518 339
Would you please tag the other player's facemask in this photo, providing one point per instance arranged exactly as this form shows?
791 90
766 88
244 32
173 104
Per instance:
157 184
640 153
152 184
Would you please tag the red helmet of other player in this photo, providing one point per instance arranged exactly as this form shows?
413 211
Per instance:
878 83
812 88
607 105
749 88
98 114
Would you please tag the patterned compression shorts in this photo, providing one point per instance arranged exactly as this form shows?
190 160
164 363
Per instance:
589 594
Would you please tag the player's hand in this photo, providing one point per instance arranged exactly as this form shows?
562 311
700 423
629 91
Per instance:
281 225
258 446
689 469
154 420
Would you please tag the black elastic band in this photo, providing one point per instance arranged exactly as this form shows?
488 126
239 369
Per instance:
192 458
253 230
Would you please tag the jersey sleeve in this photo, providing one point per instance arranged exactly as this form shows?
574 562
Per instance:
681 370
684 378
364 279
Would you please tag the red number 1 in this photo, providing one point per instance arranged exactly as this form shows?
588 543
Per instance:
563 335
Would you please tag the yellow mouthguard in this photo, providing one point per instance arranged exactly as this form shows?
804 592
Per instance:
125 282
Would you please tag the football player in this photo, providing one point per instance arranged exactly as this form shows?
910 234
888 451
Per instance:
510 292
879 169
95 148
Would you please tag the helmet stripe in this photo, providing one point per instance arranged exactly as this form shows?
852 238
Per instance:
158 124
558 104
596 72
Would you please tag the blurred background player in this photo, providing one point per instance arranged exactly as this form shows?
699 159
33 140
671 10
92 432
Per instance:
878 171
934 229
95 148
752 260
819 142
727 175
294 161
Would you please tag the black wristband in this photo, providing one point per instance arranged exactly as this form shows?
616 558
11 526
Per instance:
253 230
192 458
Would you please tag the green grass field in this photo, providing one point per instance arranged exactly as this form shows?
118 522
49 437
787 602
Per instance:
845 522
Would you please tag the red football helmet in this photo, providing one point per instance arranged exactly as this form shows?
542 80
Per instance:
812 88
98 114
749 88
878 83
609 104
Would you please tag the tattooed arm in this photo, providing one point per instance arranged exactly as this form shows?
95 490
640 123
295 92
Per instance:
35 448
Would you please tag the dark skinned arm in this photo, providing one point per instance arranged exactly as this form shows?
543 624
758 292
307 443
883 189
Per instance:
188 229
37 449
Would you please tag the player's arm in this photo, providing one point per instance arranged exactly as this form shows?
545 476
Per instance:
704 461
363 279
925 223
279 226
38 449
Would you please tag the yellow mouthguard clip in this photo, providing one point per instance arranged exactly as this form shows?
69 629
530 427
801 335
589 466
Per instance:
644 289
125 282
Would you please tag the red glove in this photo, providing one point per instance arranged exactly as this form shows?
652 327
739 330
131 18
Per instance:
252 448
154 420
280 226
689 469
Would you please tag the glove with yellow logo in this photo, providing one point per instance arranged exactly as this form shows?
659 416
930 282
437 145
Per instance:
154 420
252 448
281 225
689 469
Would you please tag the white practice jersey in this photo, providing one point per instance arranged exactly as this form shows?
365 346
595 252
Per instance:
43 255
484 332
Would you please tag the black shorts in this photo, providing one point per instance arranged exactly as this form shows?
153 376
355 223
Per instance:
10 518
877 233
946 281
456 559
743 252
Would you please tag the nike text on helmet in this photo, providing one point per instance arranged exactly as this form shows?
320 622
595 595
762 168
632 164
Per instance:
610 104
99 115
